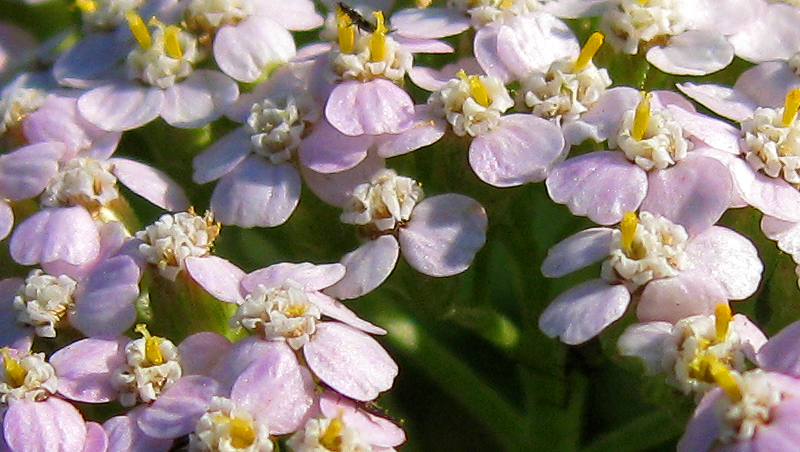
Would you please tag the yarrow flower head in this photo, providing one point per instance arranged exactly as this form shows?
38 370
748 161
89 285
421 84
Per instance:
152 365
472 104
44 300
174 237
227 426
105 15
771 142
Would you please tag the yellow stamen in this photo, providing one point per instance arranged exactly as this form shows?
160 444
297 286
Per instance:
377 43
628 229
152 345
476 87
642 117
790 107
296 310
722 312
589 50
505 4
331 439
723 377
171 43
14 370
346 31
86 6
138 28
643 2
242 433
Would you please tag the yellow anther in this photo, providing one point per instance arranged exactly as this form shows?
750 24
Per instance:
86 6
332 439
723 377
790 107
642 117
589 50
628 229
171 43
346 32
377 42
242 433
152 346
643 2
505 4
722 312
14 370
476 87
138 28
296 310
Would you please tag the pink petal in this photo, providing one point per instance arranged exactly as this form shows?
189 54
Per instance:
576 252
704 426
276 386
444 234
233 362
767 83
350 361
62 234
199 99
295 15
219 277
374 107
413 45
693 52
723 100
124 435
780 353
256 193
309 276
26 171
104 301
119 107
201 351
425 131
151 184
221 157
485 48
84 369
96 438
601 185
728 257
772 196
583 311
523 148
646 341
337 311
367 268
59 427
711 132
326 150
249 48
692 292
6 219
178 408
603 118
773 36
786 233
531 42
429 23
694 193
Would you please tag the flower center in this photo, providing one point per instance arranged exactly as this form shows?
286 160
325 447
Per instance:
383 204
771 142
651 139
483 12
631 22
279 313
365 56
152 365
44 300
321 435
643 249
82 181
216 13
471 104
163 57
26 376
225 426
15 103
747 406
174 237
105 14
275 133
569 87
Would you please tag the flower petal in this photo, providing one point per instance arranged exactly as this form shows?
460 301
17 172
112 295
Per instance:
523 148
104 301
201 351
84 369
221 157
26 171
219 277
372 108
199 99
151 184
66 234
119 107
429 23
350 361
692 292
728 257
693 52
443 234
310 277
176 410
583 311
246 50
375 430
334 309
59 427
368 266
531 42
576 252
326 150
256 193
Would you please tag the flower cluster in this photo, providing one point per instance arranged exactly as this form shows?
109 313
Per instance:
129 322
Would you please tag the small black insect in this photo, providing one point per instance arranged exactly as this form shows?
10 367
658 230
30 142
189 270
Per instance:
356 18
